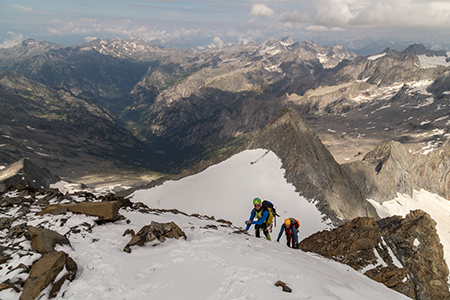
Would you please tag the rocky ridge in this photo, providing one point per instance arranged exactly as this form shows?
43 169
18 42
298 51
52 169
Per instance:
311 168
193 105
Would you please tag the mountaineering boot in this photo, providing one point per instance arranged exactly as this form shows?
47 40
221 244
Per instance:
268 237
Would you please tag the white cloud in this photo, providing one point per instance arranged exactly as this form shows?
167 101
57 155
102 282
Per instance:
90 38
15 39
317 28
24 8
383 13
294 16
217 43
261 10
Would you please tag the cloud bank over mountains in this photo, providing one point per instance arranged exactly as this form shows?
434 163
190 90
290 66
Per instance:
183 22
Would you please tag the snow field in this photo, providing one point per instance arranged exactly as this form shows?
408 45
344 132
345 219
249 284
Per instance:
226 191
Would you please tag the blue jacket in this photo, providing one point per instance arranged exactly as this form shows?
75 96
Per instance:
294 229
257 222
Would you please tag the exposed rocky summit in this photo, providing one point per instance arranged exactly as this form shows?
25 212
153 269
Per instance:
405 254
420 49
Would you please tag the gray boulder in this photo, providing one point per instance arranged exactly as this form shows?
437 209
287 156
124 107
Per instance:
105 211
152 232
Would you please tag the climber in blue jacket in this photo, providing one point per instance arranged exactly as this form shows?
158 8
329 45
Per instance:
262 216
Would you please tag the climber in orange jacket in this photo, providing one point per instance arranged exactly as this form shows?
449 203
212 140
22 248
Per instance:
290 227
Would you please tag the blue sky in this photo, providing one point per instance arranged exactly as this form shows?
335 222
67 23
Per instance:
190 23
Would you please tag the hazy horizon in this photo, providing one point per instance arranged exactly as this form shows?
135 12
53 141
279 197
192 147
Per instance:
214 23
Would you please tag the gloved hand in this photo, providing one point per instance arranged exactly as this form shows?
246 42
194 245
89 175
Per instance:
248 222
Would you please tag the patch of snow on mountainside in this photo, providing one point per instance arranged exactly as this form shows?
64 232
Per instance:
384 93
419 87
433 61
377 56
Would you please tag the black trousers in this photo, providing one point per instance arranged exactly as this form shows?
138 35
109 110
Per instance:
265 229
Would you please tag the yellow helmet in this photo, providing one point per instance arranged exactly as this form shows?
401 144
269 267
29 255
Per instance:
287 222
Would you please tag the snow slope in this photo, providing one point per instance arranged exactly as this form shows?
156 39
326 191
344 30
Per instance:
214 262
227 190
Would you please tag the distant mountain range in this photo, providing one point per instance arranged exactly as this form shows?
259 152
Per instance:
168 109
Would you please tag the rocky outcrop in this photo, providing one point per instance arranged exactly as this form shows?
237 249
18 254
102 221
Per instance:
311 168
432 172
383 172
283 286
27 173
154 231
404 254
416 245
106 211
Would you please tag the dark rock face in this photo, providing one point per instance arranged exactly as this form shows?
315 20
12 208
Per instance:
432 172
390 169
417 269
27 173
311 168
383 172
